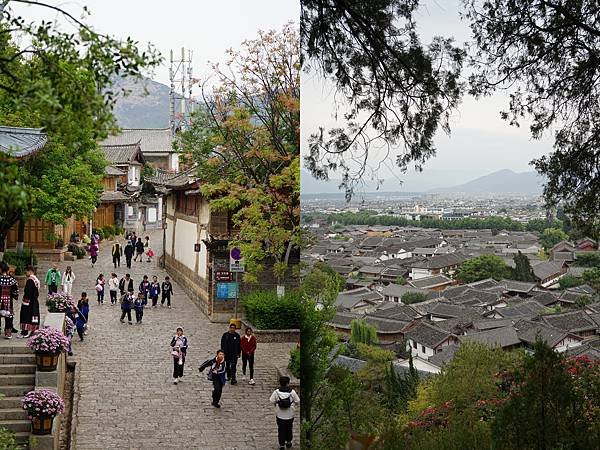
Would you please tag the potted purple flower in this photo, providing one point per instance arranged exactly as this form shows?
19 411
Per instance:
47 343
42 406
59 302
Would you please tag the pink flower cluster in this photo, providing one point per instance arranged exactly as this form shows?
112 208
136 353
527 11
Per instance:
68 323
59 302
42 402
50 340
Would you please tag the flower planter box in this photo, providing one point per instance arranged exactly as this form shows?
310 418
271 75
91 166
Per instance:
46 362
41 425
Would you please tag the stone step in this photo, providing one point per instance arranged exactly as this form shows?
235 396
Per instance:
15 390
68 256
10 402
13 414
22 439
16 425
6 369
15 349
19 358
26 379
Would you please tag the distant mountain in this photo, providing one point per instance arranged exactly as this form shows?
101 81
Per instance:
439 181
146 106
503 181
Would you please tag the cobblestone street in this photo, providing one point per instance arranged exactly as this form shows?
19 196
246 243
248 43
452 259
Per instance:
126 398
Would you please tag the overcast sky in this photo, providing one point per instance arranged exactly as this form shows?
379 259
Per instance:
208 28
480 142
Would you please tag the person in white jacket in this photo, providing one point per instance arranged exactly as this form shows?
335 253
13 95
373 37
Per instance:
285 400
67 281
113 288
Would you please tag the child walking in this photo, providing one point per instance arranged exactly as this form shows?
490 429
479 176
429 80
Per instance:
167 291
179 345
138 306
126 305
83 307
154 290
100 288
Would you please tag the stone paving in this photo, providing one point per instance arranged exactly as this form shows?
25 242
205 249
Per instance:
126 396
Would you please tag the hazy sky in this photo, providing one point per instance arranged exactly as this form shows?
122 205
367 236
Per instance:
206 27
480 140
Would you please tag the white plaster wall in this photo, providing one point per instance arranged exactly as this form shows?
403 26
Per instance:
566 344
169 237
202 261
417 274
204 214
185 238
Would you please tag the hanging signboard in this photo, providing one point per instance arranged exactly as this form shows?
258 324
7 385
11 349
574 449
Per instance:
226 291
223 275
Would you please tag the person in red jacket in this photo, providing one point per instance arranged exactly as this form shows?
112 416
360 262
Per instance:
248 344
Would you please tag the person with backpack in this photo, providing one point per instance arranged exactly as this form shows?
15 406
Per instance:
145 288
230 344
216 374
179 345
139 250
126 284
248 344
129 251
117 252
53 279
154 290
167 291
285 399
138 306
126 305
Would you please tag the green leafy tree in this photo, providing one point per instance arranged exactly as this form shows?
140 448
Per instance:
482 267
588 259
319 290
544 410
362 332
552 236
398 92
569 281
592 277
523 270
545 53
62 82
245 143
409 298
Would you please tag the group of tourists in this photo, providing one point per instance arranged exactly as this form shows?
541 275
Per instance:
29 318
223 367
134 249
146 290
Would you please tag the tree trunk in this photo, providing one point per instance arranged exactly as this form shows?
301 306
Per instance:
2 242
21 235
280 286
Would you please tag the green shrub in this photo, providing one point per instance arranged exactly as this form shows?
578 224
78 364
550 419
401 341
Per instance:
109 231
409 298
99 232
7 440
268 312
119 231
19 261
294 364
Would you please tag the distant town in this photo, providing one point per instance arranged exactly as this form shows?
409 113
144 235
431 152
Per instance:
431 272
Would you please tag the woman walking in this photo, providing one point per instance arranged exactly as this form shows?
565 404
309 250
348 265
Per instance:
139 250
216 374
94 252
179 345
68 279
30 307
9 292
248 344
100 282
113 288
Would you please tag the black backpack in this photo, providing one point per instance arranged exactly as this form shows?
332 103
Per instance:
285 403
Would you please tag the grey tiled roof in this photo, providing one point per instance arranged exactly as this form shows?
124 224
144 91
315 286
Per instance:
526 309
113 171
114 197
393 310
430 282
449 310
382 325
496 337
348 299
490 324
529 332
441 261
123 154
575 322
584 350
151 140
426 334
21 142
517 286
545 298
396 290
444 357
547 269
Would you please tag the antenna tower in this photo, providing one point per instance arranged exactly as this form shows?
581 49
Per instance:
180 103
